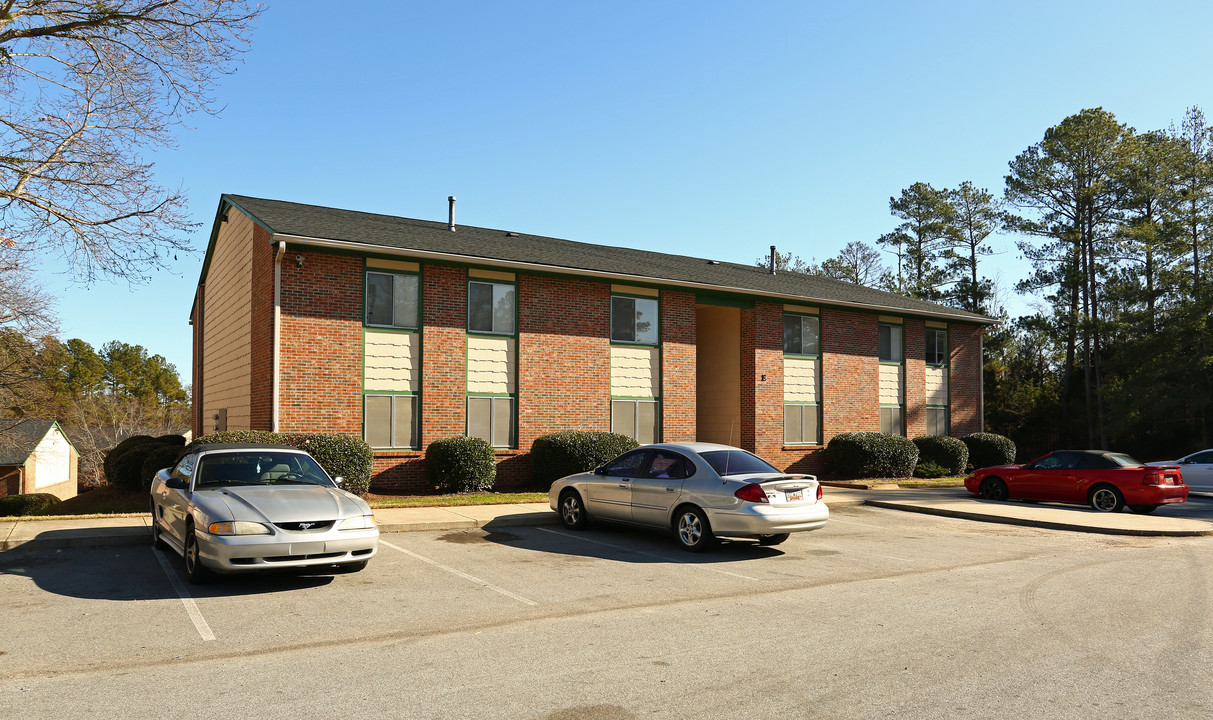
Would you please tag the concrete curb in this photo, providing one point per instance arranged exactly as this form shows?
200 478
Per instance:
1036 522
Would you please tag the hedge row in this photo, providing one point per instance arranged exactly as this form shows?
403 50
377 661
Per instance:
558 454
29 504
341 456
134 461
947 454
872 454
988 449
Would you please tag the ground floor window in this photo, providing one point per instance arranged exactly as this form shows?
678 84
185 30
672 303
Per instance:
937 421
892 420
801 424
390 421
492 418
639 419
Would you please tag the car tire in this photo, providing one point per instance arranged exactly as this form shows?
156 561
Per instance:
1144 509
157 539
994 489
773 539
572 510
195 571
693 530
1105 498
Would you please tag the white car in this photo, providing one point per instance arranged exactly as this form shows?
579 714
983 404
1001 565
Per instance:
1197 470
698 490
237 507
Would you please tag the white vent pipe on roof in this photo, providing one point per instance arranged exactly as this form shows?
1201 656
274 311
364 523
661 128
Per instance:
450 223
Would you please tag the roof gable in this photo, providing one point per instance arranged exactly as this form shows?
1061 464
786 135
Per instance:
19 442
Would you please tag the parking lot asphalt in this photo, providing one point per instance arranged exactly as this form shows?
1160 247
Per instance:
1192 518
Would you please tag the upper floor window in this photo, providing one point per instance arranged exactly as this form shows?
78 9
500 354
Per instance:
801 335
937 346
890 343
491 308
633 320
391 300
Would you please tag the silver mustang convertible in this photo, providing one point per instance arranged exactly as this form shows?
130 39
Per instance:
233 507
699 490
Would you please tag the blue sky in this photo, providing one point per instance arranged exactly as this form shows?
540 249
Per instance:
713 129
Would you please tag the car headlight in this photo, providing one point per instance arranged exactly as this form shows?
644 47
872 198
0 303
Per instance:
362 522
238 527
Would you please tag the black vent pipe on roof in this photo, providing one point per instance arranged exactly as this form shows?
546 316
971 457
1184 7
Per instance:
773 256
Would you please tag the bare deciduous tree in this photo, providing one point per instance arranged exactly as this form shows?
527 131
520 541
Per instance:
87 84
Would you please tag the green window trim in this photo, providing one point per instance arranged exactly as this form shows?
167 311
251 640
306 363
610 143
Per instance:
498 428
799 422
618 324
399 425
631 424
494 316
367 272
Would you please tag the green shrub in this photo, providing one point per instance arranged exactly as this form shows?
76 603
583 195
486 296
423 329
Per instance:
31 504
460 464
568 452
989 449
126 464
178 440
107 465
871 454
162 455
949 453
341 456
930 469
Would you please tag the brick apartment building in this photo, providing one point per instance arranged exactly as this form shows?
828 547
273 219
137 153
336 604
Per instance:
403 331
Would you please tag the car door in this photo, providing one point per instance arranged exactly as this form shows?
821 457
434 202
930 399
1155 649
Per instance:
1197 471
660 484
172 504
1049 478
609 495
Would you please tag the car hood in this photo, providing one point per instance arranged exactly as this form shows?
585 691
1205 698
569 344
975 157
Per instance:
285 503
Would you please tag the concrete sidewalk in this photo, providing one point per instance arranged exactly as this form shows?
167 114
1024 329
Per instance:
1175 520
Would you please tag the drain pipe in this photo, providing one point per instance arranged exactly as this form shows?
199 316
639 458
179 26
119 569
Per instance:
277 331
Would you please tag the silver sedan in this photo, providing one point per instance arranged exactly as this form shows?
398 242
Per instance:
1197 470
230 507
699 490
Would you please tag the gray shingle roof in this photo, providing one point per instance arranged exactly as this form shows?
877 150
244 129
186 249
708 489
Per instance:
491 246
18 441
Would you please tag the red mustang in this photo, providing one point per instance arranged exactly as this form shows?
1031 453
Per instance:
1106 481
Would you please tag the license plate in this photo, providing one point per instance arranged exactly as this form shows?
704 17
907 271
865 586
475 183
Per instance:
794 495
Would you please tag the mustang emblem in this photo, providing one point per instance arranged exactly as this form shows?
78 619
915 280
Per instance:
306 525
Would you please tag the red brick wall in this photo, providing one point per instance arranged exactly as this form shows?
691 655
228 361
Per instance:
762 380
850 373
678 388
915 333
261 345
964 378
321 344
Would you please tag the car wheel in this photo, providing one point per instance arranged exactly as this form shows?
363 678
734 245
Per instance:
572 511
994 489
693 531
1105 498
1143 509
157 540
195 571
773 539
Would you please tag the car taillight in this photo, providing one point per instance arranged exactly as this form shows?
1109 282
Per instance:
752 493
1152 478
819 492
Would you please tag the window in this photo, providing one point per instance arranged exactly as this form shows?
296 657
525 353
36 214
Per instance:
801 423
736 462
391 300
627 465
633 320
390 421
890 343
637 419
491 308
492 418
937 421
665 464
801 335
891 421
937 346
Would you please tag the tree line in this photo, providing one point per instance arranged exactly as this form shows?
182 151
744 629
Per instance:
1115 224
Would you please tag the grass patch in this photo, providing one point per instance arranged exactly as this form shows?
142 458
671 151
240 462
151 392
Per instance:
920 482
453 500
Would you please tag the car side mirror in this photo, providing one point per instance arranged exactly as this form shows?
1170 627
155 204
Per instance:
600 470
177 483
340 481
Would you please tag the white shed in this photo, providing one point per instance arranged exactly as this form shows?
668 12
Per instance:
37 457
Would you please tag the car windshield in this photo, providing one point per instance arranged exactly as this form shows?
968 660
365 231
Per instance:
736 462
259 467
1122 460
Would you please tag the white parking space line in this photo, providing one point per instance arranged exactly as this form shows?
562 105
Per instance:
461 574
191 607
852 522
646 554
